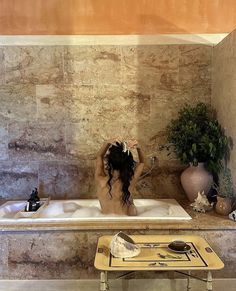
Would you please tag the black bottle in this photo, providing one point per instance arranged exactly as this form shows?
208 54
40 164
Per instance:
33 203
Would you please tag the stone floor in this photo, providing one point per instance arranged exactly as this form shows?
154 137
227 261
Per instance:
115 285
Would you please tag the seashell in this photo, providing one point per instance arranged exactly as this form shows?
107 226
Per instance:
232 215
201 203
122 246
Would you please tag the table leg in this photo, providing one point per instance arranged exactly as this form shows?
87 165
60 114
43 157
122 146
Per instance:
209 281
106 276
188 281
103 281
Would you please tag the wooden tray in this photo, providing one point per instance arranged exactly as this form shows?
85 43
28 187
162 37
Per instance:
31 214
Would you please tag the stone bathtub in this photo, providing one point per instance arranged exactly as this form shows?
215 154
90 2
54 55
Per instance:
89 210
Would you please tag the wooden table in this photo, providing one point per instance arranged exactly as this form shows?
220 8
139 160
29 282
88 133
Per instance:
155 255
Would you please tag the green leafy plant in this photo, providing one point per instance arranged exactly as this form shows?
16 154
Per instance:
197 137
224 187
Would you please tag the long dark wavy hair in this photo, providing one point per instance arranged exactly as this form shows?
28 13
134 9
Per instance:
123 162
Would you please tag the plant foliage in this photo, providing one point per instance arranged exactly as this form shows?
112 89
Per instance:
225 187
198 137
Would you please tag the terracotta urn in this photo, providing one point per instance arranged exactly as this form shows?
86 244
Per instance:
223 205
196 179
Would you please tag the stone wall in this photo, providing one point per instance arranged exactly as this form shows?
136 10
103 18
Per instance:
224 89
59 103
70 254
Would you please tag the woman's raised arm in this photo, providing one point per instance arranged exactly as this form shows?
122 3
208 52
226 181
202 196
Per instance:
139 168
99 168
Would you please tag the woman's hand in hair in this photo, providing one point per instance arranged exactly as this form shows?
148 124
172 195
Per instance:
132 144
113 141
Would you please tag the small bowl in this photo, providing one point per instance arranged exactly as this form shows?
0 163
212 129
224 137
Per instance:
178 245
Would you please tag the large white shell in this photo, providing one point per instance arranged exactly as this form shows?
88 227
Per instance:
201 203
122 246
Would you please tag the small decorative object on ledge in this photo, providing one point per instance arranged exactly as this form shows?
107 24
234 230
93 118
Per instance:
122 246
232 215
33 202
201 203
198 140
223 205
196 179
225 192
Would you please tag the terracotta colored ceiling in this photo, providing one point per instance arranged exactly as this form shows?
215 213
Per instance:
116 16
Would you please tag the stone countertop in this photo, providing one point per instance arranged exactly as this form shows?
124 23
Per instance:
199 221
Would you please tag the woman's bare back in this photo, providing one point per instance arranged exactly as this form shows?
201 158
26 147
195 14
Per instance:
112 202
113 199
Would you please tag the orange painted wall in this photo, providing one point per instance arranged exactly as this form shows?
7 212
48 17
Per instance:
116 16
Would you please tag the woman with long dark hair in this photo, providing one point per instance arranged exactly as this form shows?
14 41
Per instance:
116 181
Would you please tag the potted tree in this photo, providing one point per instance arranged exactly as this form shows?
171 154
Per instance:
225 192
199 141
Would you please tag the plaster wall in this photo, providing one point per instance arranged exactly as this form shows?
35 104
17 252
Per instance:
115 17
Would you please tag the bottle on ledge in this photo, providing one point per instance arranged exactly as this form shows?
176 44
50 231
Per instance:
33 202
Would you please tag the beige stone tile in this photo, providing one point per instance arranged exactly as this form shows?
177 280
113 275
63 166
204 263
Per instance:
195 66
195 95
164 107
2 67
151 67
226 48
34 64
36 141
177 284
122 111
62 180
160 57
64 102
52 102
3 142
195 54
80 143
17 179
81 105
3 257
108 60
116 285
113 111
18 103
163 183
125 104
48 255
92 64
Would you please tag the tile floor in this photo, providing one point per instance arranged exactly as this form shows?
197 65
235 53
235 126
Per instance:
115 285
